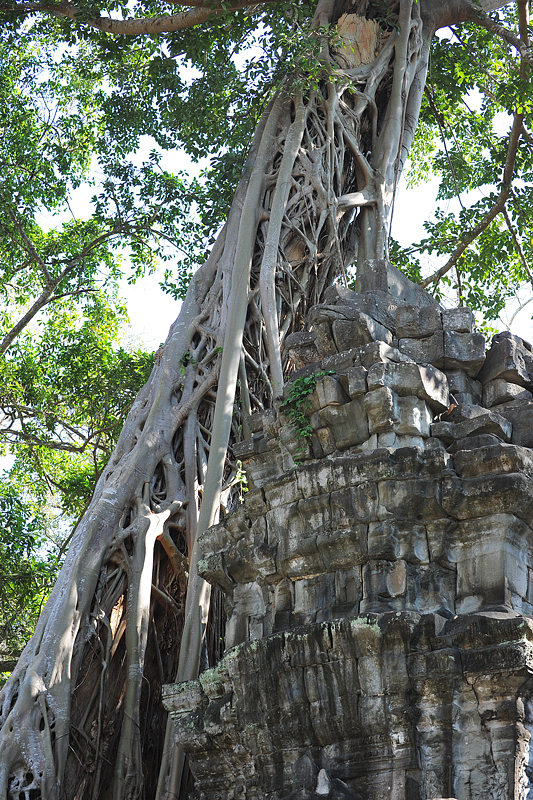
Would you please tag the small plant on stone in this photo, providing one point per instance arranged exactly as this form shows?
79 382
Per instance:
298 402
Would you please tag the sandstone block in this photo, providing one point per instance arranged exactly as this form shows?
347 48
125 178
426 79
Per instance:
342 549
460 413
382 410
425 382
325 442
491 555
382 581
431 589
495 459
510 360
244 449
460 383
425 351
405 416
301 347
339 328
395 441
329 391
464 351
414 417
357 503
414 498
473 443
393 539
340 362
460 320
348 423
212 569
379 352
489 422
378 274
489 494
521 418
311 595
248 602
500 391
261 469
357 331
378 305
354 381
413 322
290 440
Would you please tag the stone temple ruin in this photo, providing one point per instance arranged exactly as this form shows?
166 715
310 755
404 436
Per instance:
378 577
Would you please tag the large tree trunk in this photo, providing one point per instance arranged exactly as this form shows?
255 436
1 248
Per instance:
81 714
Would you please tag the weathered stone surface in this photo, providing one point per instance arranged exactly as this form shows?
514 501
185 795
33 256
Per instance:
382 410
354 381
460 320
341 327
508 359
489 422
473 442
491 555
493 494
464 351
359 330
329 391
377 305
378 274
407 416
331 711
302 349
348 423
462 412
500 391
415 322
521 418
425 382
466 390
373 598
425 351
495 459
377 352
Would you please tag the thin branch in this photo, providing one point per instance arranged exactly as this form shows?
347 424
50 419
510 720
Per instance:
165 600
438 120
518 246
29 245
496 209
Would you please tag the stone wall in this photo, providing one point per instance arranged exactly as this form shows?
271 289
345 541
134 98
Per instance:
379 574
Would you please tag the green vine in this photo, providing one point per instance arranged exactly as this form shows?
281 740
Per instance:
297 403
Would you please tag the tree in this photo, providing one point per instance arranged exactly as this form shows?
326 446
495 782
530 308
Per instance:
315 194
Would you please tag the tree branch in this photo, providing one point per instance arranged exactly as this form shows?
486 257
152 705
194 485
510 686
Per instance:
518 246
168 23
475 14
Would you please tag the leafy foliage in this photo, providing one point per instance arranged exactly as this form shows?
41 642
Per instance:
298 402
474 88
27 571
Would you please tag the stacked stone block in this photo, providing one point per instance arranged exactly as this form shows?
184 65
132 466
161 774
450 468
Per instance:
378 577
